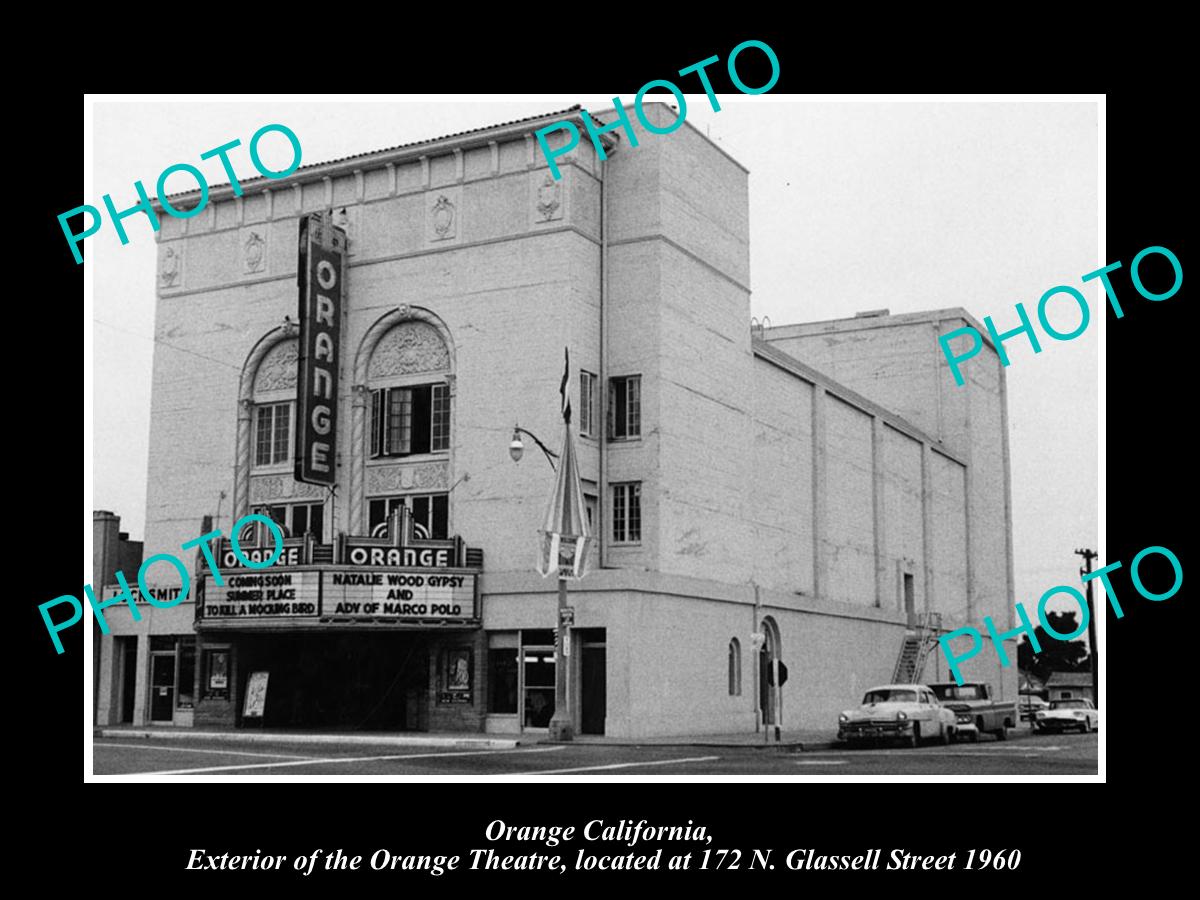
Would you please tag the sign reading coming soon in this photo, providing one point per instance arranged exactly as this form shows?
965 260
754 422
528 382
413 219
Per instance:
320 277
269 595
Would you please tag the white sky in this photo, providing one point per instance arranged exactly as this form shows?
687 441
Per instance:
853 206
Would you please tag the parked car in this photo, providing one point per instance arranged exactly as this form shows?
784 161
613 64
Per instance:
908 712
1064 714
1031 704
977 713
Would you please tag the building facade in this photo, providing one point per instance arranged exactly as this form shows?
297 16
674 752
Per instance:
1070 686
810 494
112 552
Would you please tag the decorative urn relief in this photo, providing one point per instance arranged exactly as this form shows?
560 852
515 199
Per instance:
254 253
549 203
169 267
443 215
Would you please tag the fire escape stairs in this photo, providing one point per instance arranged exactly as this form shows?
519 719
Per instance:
914 651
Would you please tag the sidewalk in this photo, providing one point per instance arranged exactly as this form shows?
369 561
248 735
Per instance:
792 741
455 740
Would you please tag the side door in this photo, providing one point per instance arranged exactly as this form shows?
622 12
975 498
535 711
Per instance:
162 686
944 717
991 717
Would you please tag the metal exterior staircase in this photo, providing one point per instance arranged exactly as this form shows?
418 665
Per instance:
914 651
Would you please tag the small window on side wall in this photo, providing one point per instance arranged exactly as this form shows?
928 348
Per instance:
589 507
625 407
627 513
587 404
735 667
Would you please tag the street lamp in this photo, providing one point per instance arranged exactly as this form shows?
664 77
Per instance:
563 551
516 449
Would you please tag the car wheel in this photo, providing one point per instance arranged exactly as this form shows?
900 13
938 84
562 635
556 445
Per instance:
1001 733
1087 725
946 736
914 739
975 736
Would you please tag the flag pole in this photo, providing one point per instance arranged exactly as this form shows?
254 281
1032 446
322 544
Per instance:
562 725
563 549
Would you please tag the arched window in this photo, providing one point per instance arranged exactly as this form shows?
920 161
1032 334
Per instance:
410 398
266 429
408 380
735 668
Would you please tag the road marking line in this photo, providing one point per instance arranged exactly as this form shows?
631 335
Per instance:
1002 747
1018 748
820 762
628 765
985 750
197 750
1015 754
313 761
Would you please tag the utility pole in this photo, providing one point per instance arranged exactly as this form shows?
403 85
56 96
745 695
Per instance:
1088 555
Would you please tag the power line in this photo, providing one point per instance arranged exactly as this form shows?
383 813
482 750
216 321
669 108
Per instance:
165 344
1088 555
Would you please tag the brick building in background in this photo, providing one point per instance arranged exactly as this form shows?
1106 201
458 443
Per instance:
825 485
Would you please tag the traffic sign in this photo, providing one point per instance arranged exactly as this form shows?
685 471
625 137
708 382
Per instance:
783 674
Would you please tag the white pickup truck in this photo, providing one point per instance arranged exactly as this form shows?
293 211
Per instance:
975 710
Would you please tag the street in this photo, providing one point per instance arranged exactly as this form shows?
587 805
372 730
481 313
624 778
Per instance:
1023 754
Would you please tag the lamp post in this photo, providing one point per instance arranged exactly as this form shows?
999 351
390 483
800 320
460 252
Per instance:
563 544
562 728
561 724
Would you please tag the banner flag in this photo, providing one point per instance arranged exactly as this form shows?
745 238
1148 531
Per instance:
564 538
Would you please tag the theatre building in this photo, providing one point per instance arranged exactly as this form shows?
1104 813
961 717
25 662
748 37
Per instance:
819 494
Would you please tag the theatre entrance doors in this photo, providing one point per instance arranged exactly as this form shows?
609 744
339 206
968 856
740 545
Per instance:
352 681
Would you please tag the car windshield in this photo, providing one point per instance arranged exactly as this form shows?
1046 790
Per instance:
955 692
890 696
1068 704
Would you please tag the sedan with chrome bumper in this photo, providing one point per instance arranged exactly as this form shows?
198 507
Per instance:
906 712
1064 715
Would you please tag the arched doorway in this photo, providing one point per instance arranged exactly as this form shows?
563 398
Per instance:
768 690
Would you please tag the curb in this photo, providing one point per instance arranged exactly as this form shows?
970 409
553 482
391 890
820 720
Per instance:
257 737
822 745
788 746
